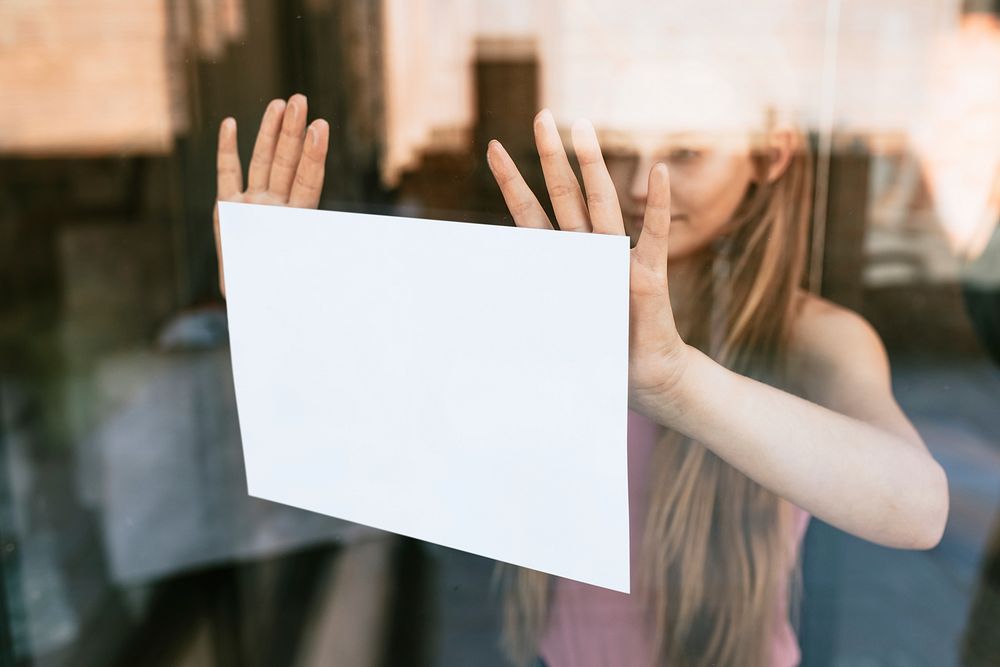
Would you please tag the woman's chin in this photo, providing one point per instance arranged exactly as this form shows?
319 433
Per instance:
682 247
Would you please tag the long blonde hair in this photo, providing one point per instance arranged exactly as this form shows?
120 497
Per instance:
717 546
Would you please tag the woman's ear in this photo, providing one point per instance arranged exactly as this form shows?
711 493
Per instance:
778 148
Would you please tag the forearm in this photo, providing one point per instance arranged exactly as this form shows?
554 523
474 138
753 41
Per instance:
853 475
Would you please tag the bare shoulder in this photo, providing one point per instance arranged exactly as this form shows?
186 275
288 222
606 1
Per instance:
834 350
836 359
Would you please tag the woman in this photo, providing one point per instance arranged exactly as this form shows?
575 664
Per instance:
753 403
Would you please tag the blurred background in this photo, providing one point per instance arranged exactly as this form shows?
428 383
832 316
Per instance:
127 535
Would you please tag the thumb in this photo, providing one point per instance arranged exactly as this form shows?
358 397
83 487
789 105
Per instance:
651 248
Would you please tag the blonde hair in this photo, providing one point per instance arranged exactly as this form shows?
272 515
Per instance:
717 546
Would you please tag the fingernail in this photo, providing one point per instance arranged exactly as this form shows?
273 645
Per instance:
490 147
311 135
661 171
546 118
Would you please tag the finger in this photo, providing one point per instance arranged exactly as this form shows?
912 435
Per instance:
227 163
308 182
289 149
602 199
560 181
651 248
263 150
521 201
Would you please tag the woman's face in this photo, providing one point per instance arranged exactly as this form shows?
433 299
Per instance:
709 177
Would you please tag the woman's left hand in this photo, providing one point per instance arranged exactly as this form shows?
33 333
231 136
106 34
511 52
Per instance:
658 357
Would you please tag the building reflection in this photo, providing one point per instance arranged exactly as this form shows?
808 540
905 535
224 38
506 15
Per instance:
128 535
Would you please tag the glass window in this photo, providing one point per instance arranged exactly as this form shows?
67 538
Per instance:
813 448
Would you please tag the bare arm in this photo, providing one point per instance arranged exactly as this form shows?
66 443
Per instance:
855 461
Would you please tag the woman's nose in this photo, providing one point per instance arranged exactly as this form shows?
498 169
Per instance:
640 179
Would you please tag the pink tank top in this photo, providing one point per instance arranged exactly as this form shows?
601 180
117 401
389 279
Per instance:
595 627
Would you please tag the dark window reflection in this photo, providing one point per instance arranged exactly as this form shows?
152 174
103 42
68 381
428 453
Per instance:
127 534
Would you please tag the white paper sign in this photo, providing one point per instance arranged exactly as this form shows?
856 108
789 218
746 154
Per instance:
458 383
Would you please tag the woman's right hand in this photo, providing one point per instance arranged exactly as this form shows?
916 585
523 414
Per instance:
286 168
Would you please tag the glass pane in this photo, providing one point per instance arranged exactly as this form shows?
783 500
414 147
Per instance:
830 344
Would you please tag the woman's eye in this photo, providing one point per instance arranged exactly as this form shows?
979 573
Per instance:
683 154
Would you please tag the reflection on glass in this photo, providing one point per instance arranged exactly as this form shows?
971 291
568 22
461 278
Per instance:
833 180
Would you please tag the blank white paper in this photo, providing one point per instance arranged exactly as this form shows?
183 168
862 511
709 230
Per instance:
458 383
